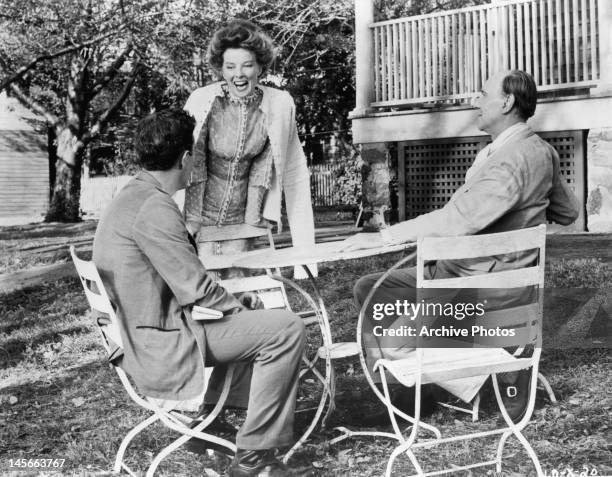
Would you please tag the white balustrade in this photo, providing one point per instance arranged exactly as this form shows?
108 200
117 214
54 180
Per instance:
446 56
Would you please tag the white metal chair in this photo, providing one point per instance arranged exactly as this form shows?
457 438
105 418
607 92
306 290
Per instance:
107 323
427 365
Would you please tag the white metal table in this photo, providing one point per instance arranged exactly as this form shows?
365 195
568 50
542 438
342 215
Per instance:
304 256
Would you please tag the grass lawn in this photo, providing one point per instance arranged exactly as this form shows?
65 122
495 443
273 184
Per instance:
59 399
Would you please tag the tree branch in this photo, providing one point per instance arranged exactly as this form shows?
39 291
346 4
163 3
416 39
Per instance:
49 56
100 124
72 48
111 72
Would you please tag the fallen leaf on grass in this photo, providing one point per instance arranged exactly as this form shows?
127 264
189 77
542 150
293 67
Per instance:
317 465
211 473
78 401
13 400
343 456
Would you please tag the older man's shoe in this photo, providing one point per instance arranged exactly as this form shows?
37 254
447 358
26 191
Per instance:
515 396
256 463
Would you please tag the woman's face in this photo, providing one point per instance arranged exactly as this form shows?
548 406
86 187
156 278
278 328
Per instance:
241 71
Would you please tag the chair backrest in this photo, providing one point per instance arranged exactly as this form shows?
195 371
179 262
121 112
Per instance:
271 292
98 301
525 318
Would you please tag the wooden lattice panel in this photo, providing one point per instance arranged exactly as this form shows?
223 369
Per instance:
431 171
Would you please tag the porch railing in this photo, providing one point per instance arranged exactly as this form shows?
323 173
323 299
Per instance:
447 56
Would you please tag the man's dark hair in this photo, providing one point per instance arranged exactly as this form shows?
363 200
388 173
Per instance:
523 87
162 138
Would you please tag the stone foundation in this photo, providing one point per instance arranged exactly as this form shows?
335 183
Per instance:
376 181
376 197
599 180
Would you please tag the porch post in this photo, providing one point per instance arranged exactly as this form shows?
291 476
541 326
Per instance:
605 46
364 57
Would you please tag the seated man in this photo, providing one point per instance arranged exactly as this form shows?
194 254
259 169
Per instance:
154 278
514 183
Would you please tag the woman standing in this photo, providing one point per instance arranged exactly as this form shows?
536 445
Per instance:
246 149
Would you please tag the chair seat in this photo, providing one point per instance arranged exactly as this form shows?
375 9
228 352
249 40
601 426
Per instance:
444 364
339 350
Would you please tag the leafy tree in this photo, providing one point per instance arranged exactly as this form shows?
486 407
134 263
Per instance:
82 59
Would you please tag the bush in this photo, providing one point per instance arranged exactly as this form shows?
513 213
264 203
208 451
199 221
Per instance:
347 181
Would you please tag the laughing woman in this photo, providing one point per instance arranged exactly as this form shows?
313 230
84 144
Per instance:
246 149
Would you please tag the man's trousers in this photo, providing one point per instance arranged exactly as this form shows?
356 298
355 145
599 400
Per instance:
267 344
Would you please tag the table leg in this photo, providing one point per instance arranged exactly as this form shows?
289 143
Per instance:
315 301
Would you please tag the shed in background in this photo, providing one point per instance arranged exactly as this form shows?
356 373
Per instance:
24 166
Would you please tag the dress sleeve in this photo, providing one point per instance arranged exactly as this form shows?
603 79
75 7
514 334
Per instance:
159 231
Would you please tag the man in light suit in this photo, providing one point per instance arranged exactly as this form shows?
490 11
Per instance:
514 183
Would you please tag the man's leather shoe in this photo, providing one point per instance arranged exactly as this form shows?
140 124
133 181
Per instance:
403 399
256 463
219 428
515 396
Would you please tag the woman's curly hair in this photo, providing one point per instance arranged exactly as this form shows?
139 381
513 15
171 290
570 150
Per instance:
241 34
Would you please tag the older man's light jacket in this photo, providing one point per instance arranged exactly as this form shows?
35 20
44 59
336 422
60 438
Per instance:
517 186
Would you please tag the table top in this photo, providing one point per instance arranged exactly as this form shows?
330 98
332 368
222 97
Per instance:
318 253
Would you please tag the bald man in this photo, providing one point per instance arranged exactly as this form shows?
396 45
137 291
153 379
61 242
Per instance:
514 183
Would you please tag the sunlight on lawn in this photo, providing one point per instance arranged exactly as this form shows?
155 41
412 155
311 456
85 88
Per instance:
58 397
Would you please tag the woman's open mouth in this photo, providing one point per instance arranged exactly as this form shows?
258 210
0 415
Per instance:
241 86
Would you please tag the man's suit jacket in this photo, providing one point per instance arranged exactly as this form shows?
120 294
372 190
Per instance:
518 186
154 277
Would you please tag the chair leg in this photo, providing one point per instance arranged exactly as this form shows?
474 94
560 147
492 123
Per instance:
475 408
332 397
551 395
165 452
327 392
517 428
405 444
500 450
128 438
404 447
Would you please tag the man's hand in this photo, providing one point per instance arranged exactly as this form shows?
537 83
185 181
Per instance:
251 301
361 241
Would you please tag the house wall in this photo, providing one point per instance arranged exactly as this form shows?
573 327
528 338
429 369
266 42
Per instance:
24 175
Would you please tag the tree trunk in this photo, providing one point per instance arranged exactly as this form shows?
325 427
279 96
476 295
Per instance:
65 201
52 153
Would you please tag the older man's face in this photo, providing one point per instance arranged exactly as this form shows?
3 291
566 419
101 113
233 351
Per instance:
490 104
